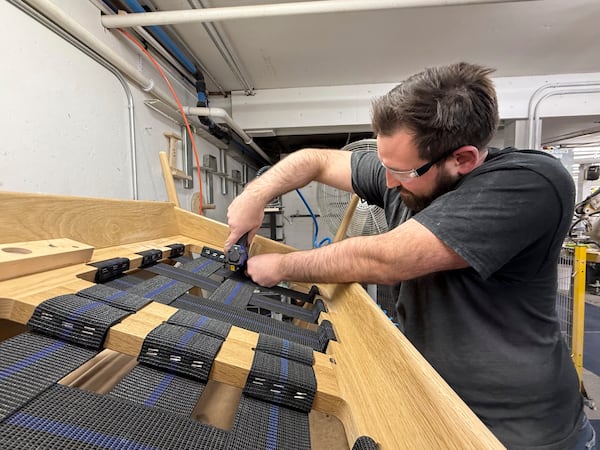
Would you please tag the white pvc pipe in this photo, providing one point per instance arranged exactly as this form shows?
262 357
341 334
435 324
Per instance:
220 115
272 10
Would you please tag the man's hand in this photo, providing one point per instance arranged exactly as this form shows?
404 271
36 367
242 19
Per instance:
266 269
244 215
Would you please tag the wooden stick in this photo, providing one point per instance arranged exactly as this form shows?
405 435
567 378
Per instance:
168 177
341 232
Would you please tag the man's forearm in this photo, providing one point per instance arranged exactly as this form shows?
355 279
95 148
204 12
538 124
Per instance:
292 172
406 252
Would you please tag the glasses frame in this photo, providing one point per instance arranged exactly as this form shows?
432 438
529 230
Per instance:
415 173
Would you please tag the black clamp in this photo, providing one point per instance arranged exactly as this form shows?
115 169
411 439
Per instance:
237 255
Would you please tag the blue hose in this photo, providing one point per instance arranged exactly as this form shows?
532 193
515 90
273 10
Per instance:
323 241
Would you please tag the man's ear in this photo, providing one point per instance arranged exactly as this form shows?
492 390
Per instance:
465 159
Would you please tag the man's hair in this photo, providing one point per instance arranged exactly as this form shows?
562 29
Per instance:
442 107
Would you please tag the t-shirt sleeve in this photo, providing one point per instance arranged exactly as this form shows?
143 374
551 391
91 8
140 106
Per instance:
491 217
368 177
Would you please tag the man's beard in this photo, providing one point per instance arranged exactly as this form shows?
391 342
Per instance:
444 183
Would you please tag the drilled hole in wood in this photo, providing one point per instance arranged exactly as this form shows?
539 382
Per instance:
23 251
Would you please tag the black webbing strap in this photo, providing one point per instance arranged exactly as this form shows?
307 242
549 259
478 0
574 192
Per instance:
219 256
75 319
30 363
236 290
68 419
114 297
365 443
186 276
316 340
125 283
151 387
285 349
233 293
260 425
280 380
180 350
202 266
205 325
160 289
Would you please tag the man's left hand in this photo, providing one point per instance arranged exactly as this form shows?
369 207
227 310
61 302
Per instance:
266 269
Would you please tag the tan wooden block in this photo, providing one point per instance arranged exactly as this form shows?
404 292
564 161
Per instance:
24 258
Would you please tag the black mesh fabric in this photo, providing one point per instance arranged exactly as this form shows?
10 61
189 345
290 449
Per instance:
180 350
230 292
281 381
167 391
160 289
114 297
75 319
260 426
365 443
30 363
204 324
70 419
202 266
234 293
125 282
285 349
316 340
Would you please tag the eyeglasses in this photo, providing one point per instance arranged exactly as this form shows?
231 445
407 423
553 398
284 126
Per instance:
408 175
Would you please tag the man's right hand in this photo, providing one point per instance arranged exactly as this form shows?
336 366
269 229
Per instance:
244 215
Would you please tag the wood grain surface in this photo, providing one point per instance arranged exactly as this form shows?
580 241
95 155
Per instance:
372 379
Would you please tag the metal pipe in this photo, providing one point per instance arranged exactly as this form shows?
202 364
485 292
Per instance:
223 170
225 49
536 118
272 10
30 11
532 125
149 38
52 12
181 43
220 115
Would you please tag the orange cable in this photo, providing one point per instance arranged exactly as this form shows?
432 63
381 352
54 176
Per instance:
174 94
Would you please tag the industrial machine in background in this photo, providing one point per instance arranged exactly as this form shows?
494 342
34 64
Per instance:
586 223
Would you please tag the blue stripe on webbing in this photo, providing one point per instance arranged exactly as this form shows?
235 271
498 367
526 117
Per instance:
285 348
116 295
246 320
283 376
200 322
233 292
65 332
158 391
74 432
160 289
271 442
189 334
31 359
201 266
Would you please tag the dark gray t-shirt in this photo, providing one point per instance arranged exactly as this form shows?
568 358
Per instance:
491 330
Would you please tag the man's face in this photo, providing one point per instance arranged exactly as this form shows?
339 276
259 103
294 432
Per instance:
399 156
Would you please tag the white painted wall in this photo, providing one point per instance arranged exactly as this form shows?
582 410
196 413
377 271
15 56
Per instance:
64 118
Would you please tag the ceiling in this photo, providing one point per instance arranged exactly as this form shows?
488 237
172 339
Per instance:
385 46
